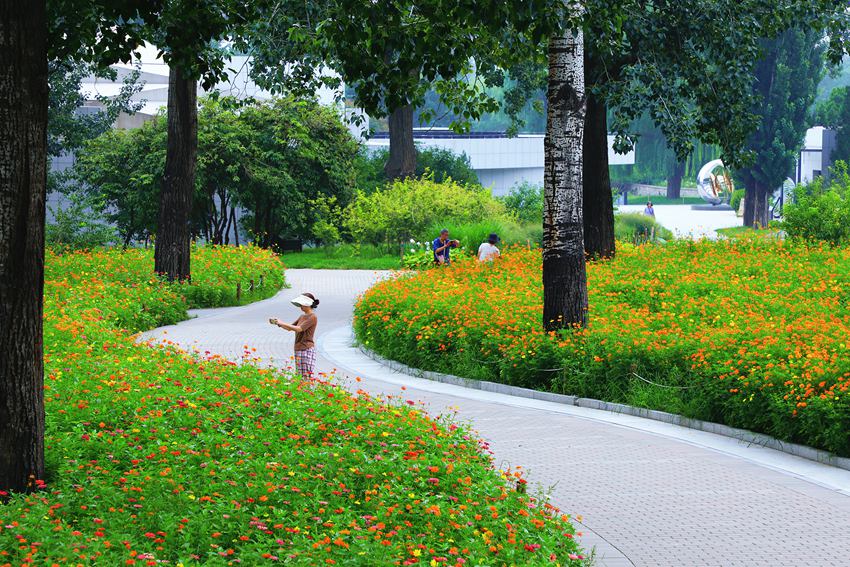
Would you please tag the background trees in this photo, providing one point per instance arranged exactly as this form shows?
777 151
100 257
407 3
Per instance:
190 36
271 159
785 81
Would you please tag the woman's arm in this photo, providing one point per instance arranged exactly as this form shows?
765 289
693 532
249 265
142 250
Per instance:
287 326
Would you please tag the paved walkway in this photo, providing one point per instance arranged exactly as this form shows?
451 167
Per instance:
649 493
700 221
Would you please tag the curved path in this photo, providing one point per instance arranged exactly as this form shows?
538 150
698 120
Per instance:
648 493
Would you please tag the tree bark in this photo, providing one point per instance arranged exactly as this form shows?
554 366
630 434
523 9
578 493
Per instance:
173 242
598 200
564 275
761 213
23 187
401 162
674 179
749 204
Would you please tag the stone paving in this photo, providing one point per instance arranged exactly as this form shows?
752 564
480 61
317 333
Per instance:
646 497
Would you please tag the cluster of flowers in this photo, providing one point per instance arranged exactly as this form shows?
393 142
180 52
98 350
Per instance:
751 333
157 457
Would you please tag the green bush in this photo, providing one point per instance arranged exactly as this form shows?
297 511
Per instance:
737 197
525 201
78 226
471 235
821 212
440 163
637 227
407 209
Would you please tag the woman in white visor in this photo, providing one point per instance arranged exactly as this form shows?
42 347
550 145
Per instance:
304 328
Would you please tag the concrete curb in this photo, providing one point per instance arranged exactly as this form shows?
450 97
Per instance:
742 435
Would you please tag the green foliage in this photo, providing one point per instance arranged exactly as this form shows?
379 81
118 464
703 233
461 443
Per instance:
688 49
439 163
834 113
525 201
637 227
821 211
785 82
406 209
122 169
344 257
737 197
272 158
67 129
328 219
78 226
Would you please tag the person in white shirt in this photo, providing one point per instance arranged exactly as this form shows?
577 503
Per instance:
487 250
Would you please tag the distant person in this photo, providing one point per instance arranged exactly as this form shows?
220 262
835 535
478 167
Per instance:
442 247
649 210
488 251
304 328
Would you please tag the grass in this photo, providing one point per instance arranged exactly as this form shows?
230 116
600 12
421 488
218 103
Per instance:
343 257
749 332
159 457
749 232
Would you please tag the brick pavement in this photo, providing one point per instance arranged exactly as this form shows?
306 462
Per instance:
646 498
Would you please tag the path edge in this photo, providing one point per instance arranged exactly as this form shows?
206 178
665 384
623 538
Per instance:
743 435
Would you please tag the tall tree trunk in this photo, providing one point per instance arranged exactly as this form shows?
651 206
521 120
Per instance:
23 187
235 226
173 242
749 204
675 173
598 200
761 213
564 275
401 162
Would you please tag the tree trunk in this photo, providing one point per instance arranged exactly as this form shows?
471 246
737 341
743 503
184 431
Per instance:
598 199
401 162
564 276
762 208
235 226
749 204
23 187
173 243
674 179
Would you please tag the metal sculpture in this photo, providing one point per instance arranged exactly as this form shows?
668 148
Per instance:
714 183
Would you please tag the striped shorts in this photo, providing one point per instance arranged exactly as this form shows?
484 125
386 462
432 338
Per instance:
305 362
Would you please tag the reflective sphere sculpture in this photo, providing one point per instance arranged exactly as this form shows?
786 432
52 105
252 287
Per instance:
714 183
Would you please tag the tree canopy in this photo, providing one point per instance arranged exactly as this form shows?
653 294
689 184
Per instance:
269 158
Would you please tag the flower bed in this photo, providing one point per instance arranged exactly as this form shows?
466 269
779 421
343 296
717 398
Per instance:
159 458
748 333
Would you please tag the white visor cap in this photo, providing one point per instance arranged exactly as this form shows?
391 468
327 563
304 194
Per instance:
303 300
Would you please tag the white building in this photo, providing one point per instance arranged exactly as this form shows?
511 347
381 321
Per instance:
499 161
816 156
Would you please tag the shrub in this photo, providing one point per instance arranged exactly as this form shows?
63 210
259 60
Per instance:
636 227
406 209
737 197
328 220
78 226
751 333
821 211
439 163
525 201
